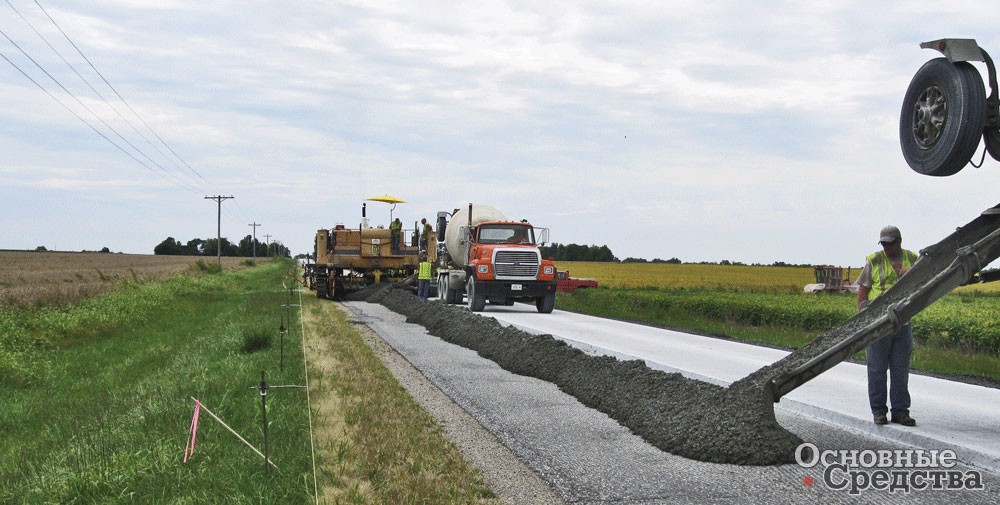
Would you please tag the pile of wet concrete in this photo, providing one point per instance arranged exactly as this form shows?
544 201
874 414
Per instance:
682 416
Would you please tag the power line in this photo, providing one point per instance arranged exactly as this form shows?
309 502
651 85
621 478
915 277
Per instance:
80 102
84 121
85 80
120 97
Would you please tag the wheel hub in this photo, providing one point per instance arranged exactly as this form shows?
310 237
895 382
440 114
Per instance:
929 114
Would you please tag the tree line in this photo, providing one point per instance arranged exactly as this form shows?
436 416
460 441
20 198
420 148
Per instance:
247 247
577 252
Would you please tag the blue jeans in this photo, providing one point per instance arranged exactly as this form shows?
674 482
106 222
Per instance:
424 289
891 353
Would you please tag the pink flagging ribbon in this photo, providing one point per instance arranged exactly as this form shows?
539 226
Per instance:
193 432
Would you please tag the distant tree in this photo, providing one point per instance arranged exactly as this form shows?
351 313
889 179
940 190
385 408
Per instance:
635 260
169 246
577 252
41 248
195 247
105 250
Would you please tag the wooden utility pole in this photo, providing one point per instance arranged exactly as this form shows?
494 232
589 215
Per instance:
218 234
268 238
253 245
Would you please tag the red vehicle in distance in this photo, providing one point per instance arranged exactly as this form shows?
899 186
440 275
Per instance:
568 284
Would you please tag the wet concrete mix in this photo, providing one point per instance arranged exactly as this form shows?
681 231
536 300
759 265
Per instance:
682 416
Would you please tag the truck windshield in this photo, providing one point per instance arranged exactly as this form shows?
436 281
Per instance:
506 234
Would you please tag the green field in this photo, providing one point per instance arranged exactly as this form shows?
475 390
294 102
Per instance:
959 334
97 403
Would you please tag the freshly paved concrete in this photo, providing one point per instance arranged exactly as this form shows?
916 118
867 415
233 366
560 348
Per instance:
950 415
587 457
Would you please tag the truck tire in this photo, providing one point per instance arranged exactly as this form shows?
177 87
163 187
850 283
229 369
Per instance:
477 300
443 289
942 118
546 303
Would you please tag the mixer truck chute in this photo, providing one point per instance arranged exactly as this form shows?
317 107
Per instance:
488 258
945 113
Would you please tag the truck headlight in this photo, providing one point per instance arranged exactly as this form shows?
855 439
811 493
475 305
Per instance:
549 270
483 269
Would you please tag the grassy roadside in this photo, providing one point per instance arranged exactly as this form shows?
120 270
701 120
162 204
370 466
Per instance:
374 443
107 420
929 358
96 402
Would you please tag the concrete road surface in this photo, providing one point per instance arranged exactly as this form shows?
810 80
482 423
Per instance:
588 458
950 415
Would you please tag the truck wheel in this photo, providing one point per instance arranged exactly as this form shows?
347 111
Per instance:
442 289
546 303
477 300
942 118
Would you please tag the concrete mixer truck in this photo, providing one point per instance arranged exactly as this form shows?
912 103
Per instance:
486 257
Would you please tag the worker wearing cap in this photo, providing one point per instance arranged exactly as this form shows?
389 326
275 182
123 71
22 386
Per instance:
395 230
424 277
891 353
425 233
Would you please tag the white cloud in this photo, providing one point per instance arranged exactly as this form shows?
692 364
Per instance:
703 130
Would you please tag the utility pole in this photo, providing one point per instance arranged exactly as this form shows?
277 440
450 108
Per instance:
253 245
268 238
218 234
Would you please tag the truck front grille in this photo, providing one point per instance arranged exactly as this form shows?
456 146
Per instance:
516 265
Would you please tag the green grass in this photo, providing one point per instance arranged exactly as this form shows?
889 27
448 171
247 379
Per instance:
950 336
97 403
105 416
380 446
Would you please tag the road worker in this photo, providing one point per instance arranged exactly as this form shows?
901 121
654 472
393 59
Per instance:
395 231
893 352
426 230
424 277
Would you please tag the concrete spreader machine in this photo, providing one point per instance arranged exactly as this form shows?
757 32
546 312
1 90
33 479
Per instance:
945 112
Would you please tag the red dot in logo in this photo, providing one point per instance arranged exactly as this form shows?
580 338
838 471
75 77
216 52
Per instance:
808 481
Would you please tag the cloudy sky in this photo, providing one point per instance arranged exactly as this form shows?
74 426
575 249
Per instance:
748 131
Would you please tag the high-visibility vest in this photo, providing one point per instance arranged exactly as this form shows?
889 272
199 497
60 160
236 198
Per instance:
425 271
883 275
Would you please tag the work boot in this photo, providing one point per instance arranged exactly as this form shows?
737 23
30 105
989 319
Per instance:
880 419
904 419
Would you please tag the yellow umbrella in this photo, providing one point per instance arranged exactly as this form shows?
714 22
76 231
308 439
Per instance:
388 199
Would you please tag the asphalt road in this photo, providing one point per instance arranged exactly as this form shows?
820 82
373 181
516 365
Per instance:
587 457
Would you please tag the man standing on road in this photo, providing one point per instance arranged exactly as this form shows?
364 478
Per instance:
891 353
424 277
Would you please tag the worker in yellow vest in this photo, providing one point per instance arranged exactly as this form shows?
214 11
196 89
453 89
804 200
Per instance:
891 353
424 277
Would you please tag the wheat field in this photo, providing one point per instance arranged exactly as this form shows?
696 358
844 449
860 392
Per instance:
28 277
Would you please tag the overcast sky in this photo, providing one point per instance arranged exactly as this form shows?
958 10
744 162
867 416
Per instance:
702 130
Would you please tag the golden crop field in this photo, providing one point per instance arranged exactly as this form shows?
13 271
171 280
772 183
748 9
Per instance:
727 277
685 276
28 277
